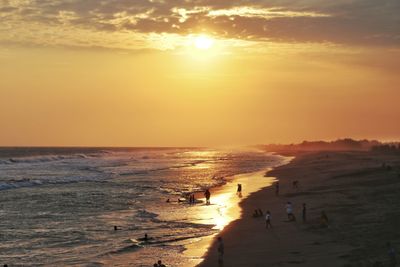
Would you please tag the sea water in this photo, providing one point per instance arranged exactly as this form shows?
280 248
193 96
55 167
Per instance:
59 206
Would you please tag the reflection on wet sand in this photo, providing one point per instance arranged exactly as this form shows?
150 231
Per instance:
224 208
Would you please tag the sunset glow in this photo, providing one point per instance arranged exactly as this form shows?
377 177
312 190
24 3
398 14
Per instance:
203 42
124 73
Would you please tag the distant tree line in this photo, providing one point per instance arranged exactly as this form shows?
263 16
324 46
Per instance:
346 144
387 148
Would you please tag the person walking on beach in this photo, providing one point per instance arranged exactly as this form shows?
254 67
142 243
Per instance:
268 220
220 252
277 188
239 190
207 194
304 211
289 211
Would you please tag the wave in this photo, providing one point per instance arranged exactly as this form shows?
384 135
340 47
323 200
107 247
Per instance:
46 158
146 214
15 184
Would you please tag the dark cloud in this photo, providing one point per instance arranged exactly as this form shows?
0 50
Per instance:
360 22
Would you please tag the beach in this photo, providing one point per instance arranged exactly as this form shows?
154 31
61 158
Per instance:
358 191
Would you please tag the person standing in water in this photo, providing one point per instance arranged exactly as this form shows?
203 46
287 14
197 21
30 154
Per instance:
304 212
239 190
207 194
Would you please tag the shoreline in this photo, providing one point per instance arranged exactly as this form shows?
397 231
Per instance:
224 208
335 182
228 204
252 182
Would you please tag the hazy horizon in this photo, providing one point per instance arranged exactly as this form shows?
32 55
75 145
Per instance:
198 73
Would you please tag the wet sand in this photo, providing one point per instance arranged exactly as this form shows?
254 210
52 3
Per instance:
359 194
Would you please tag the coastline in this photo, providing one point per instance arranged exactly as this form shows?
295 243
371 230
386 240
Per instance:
336 182
224 208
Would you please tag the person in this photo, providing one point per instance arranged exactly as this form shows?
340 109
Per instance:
167 200
296 185
115 228
145 238
207 194
160 264
260 211
324 219
239 190
268 220
277 188
289 211
304 212
220 251
392 254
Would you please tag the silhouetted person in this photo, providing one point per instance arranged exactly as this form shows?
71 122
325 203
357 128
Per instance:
115 228
296 185
207 194
239 190
304 212
145 238
277 188
268 220
160 264
193 199
167 200
260 211
220 251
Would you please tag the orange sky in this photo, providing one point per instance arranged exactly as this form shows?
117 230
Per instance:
131 74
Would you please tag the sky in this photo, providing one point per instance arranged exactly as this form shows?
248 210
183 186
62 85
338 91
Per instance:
197 72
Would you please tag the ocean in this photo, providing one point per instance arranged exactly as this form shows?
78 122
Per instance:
59 206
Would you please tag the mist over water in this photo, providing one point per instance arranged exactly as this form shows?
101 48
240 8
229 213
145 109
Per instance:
58 206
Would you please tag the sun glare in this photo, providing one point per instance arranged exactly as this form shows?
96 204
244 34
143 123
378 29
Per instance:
203 42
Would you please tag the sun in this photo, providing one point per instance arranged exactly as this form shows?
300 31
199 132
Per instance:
203 42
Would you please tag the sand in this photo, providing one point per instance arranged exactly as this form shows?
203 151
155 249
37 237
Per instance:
359 195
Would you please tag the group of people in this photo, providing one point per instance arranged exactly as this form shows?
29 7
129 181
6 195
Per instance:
159 264
207 195
258 213
192 199
289 209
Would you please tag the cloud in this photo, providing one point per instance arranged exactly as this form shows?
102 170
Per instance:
93 22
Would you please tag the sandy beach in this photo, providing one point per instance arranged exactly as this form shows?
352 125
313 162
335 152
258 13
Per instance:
358 192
